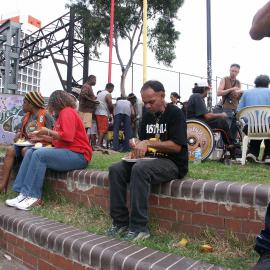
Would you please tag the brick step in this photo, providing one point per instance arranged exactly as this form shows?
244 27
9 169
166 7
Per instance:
40 243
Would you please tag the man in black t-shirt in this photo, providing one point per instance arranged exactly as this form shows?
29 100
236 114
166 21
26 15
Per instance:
163 136
197 109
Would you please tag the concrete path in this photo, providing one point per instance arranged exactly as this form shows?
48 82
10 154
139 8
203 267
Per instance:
12 264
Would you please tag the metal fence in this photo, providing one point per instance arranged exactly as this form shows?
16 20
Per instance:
174 81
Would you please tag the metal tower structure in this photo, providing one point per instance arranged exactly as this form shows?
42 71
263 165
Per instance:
62 40
9 55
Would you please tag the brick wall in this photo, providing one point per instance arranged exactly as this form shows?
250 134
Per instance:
42 244
186 205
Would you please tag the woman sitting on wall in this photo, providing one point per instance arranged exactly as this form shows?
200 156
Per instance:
71 151
36 116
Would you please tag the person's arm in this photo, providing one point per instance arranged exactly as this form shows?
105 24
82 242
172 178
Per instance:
108 100
222 92
88 94
66 128
210 115
260 27
161 146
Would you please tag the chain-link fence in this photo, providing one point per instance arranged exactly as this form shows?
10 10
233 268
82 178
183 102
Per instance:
174 81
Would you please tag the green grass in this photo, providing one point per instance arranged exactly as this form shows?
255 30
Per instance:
208 170
103 161
213 170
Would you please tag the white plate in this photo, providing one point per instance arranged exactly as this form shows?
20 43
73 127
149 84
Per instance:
136 159
42 147
24 144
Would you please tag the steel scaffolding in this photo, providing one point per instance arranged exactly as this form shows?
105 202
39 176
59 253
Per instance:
62 40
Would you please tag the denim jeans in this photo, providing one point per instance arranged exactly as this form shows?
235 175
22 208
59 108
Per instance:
118 119
263 239
30 178
141 176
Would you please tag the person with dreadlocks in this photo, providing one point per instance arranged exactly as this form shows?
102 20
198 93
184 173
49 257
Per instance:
36 116
71 151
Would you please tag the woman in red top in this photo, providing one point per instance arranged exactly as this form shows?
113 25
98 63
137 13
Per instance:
71 151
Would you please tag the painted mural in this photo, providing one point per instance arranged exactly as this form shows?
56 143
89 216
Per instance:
10 116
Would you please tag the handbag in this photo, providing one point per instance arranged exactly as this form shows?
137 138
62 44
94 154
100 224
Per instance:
218 108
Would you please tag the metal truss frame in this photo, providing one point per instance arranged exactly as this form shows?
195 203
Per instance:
62 40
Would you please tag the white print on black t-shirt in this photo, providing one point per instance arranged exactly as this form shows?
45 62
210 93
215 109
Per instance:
156 128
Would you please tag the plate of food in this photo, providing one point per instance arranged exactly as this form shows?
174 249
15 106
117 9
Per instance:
23 142
128 159
39 145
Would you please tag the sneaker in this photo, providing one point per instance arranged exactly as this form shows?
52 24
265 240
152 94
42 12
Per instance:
251 158
116 230
263 263
15 201
135 236
28 203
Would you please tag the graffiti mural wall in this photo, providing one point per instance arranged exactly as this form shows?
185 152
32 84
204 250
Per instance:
10 116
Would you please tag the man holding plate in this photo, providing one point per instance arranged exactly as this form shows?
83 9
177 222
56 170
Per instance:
163 136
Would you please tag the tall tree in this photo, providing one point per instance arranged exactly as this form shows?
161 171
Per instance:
162 34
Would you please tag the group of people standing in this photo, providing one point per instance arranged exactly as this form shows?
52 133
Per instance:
99 115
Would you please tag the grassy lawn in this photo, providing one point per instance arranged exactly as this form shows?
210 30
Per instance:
208 170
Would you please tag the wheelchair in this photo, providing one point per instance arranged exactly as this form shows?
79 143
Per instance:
199 133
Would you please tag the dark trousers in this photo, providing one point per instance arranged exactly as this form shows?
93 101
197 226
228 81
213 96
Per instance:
263 239
231 120
221 124
140 175
118 119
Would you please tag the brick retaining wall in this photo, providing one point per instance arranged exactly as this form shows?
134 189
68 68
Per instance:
181 205
186 205
42 244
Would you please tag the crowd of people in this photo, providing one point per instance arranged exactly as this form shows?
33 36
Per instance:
155 135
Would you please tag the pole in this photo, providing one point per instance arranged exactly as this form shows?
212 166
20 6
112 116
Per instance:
144 40
209 53
132 77
70 50
179 82
111 41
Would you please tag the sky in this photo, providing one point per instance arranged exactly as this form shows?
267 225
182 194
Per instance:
231 43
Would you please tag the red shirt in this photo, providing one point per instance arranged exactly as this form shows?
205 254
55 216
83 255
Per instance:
71 129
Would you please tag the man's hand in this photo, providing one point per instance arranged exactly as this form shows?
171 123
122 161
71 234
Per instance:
140 149
133 142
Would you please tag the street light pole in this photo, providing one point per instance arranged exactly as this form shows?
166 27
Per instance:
144 41
209 53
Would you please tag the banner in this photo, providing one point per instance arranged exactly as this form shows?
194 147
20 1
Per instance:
11 114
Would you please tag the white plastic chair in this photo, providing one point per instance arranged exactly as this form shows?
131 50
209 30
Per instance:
257 119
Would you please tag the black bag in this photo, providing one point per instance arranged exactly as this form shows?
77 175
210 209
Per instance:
218 107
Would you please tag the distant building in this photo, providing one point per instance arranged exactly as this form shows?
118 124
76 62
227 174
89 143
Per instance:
29 76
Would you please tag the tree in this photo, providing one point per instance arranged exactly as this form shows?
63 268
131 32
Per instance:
162 34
